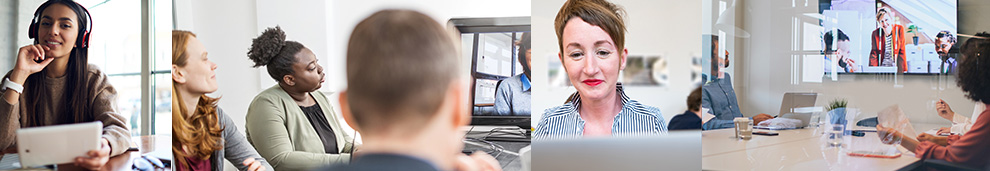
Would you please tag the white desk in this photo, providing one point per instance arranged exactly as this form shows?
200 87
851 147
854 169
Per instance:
723 140
797 149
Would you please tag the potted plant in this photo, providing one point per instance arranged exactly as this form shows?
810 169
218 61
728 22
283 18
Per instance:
837 111
914 30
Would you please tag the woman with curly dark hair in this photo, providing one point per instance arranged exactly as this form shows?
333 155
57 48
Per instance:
970 149
292 124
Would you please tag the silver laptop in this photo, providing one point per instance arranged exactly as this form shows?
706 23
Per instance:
789 108
679 150
792 101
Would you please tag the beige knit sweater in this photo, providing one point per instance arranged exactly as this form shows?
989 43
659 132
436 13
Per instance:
101 106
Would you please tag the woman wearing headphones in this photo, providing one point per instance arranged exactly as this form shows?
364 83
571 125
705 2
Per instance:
52 83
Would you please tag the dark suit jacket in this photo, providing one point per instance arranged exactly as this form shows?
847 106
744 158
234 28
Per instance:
685 121
384 162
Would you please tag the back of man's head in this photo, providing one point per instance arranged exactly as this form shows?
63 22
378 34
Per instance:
831 38
694 100
400 65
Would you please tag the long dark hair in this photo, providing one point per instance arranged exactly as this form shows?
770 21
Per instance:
75 100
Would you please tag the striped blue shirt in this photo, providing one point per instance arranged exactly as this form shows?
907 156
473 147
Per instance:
634 119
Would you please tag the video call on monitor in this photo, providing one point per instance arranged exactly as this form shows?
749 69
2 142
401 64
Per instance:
917 29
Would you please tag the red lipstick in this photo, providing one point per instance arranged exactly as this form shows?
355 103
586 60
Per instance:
593 82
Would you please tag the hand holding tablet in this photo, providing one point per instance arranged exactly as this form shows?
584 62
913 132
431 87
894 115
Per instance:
58 144
95 159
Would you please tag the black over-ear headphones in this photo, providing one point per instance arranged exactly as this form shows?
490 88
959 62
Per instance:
83 42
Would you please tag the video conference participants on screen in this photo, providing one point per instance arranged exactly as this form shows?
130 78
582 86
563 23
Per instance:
513 95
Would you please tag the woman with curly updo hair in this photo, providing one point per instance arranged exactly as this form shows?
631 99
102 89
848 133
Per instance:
292 124
970 149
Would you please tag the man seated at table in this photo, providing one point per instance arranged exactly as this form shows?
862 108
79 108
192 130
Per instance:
690 119
719 96
406 96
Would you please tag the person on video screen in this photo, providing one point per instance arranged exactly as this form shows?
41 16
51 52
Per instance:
944 41
513 94
837 51
888 42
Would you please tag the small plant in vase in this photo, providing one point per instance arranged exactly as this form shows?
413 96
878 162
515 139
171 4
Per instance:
837 111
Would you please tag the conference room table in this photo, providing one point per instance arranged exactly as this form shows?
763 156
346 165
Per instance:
795 149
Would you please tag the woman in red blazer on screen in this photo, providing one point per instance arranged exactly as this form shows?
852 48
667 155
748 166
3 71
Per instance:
895 34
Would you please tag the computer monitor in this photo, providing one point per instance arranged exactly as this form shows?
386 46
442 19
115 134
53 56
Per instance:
920 36
489 43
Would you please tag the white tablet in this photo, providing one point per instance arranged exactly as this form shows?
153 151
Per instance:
58 144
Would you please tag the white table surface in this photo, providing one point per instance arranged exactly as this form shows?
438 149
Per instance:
800 149
723 140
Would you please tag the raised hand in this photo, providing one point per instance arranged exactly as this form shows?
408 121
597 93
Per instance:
27 62
944 110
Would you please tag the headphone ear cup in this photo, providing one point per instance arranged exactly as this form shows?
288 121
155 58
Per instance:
33 30
85 40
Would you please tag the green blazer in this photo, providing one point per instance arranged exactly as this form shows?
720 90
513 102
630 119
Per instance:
282 134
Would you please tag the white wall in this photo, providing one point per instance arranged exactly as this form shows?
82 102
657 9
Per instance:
8 38
657 27
226 28
15 16
768 55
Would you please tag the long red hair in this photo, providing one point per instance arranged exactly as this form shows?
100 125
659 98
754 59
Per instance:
200 132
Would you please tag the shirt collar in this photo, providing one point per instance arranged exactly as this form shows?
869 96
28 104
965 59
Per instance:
576 98
525 82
